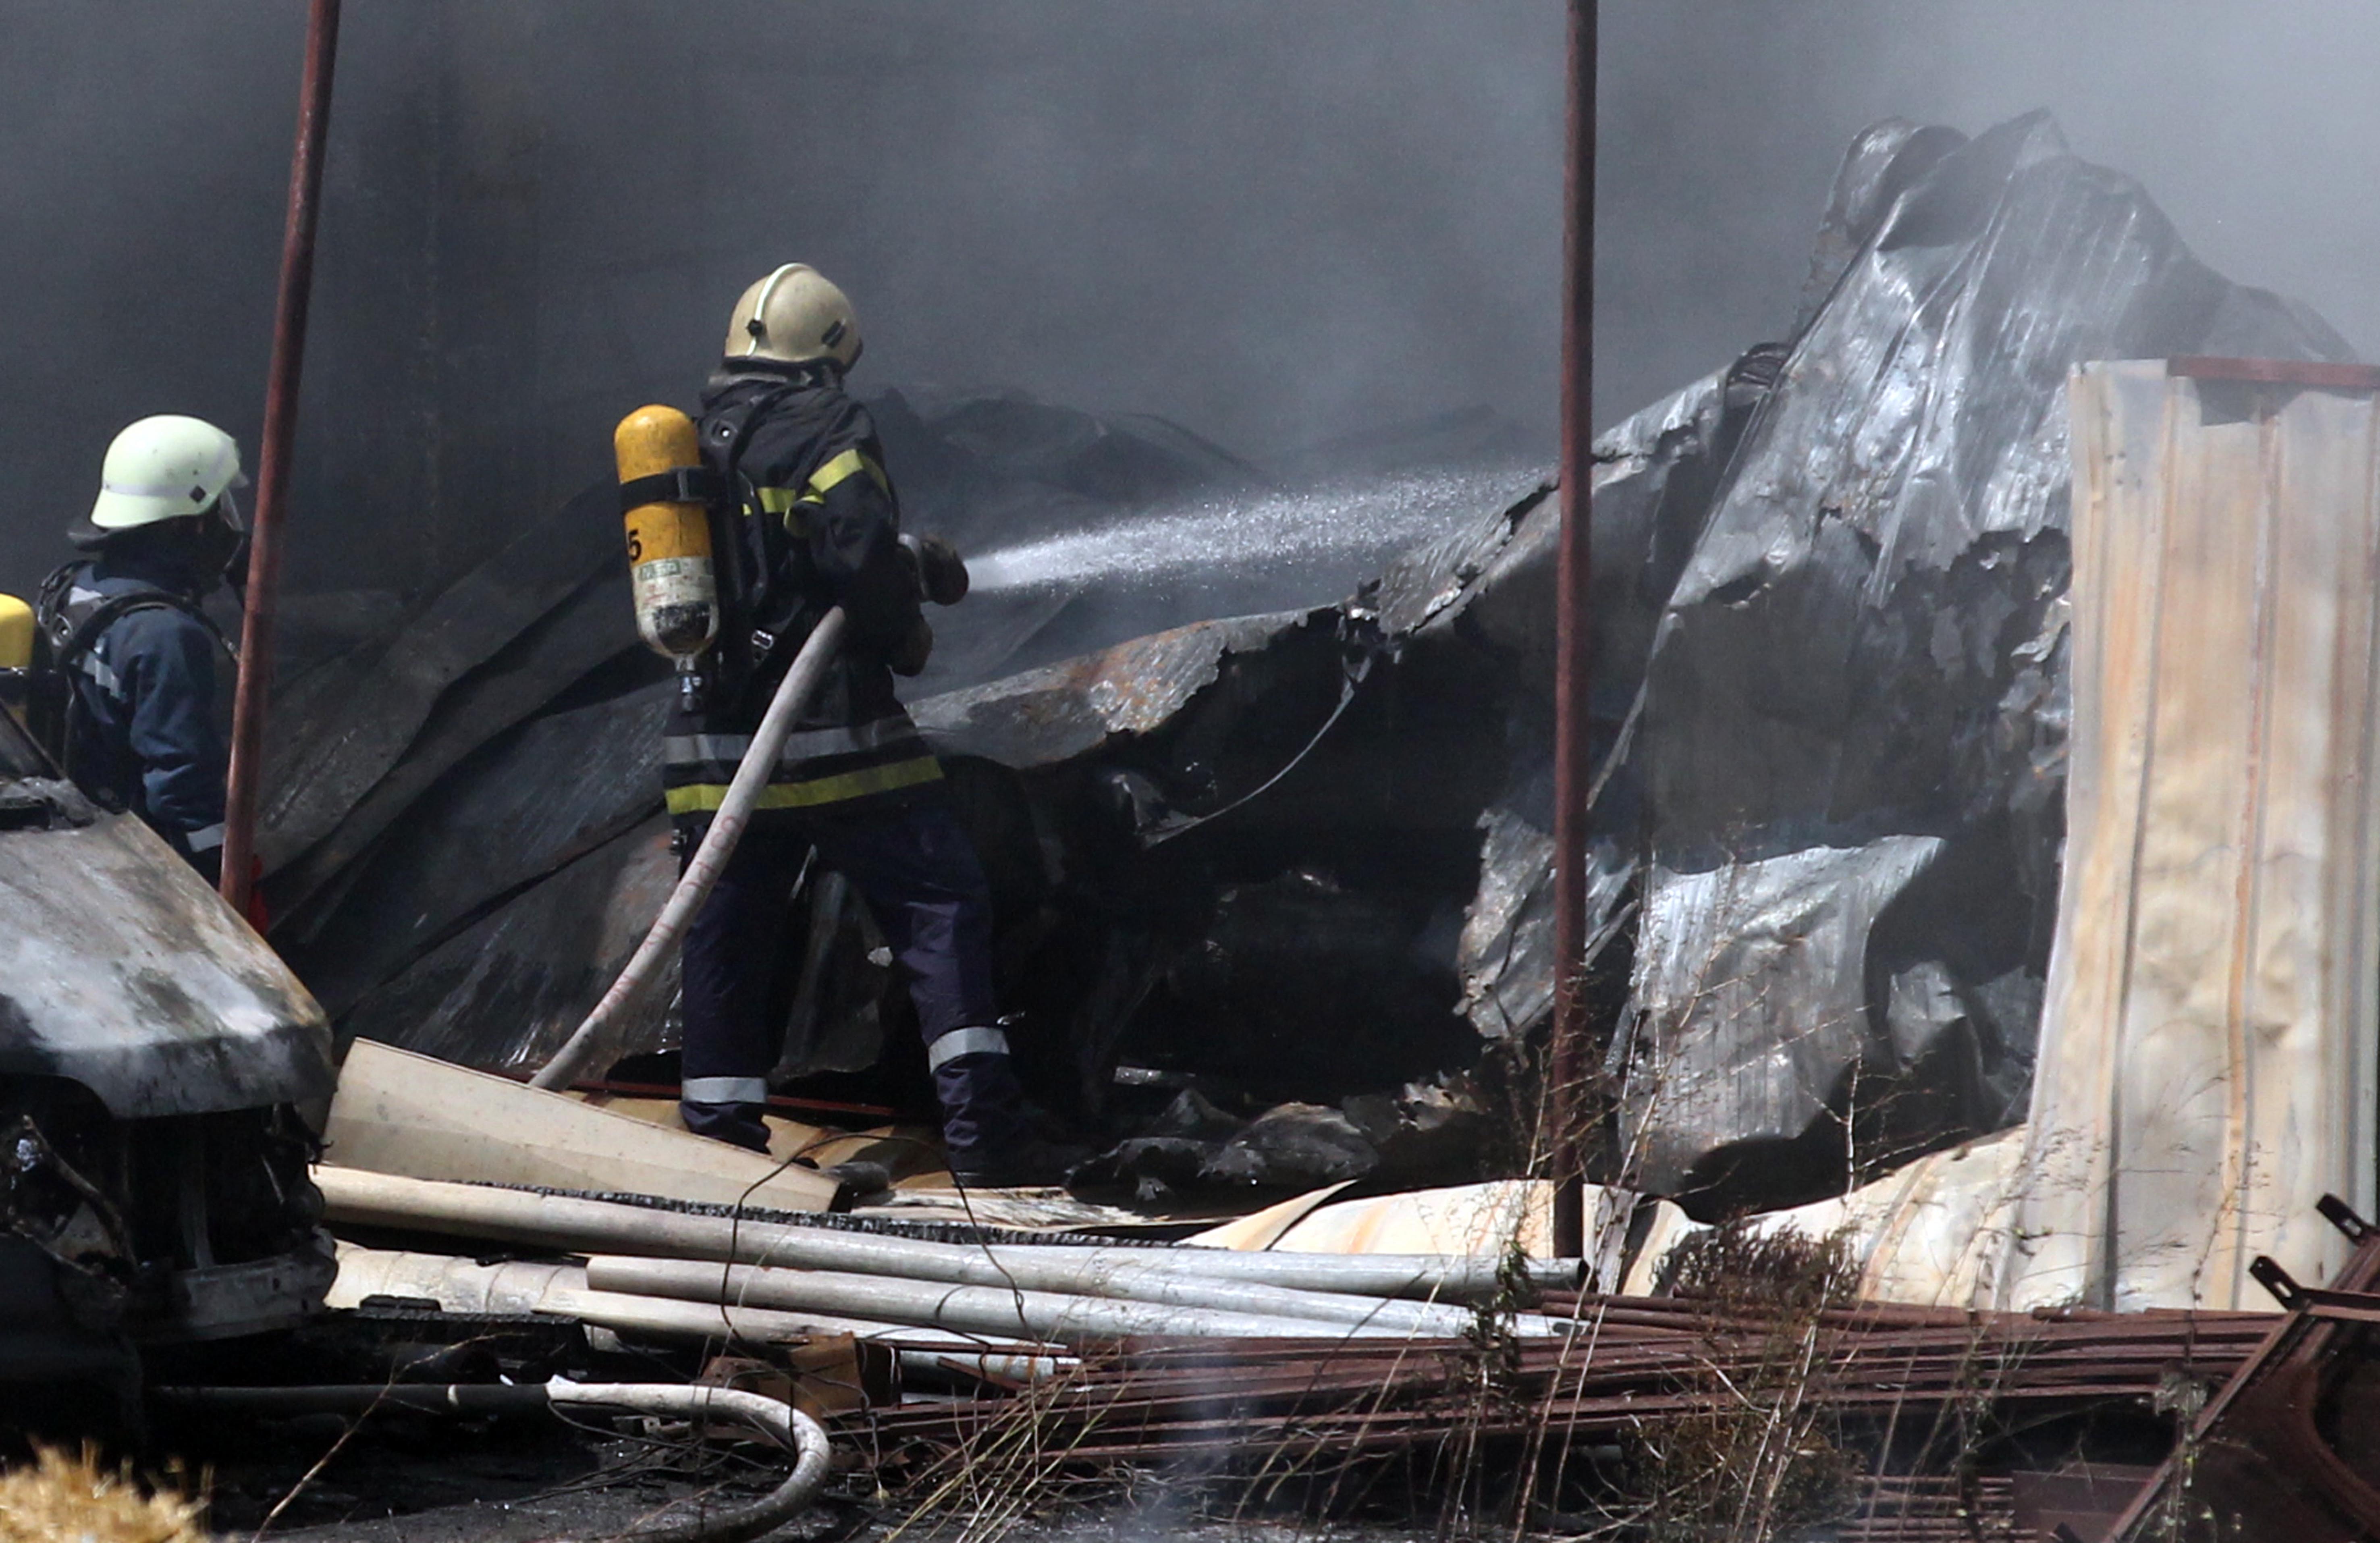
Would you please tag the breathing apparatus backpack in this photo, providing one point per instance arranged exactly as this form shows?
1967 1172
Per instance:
721 585
64 643
763 589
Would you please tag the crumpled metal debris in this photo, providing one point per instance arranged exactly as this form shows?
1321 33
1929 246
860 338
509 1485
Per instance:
1829 691
1086 531
540 797
1195 1150
1654 474
1063 711
468 788
1755 976
506 991
352 723
1864 651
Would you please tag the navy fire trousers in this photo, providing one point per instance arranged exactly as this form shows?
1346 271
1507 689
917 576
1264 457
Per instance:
918 874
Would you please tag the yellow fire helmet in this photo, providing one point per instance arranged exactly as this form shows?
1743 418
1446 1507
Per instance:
794 316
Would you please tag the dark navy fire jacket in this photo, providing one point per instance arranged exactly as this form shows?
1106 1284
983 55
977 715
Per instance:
148 735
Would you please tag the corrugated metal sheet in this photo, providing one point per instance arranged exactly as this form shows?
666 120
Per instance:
2207 1059
1467 1218
1756 976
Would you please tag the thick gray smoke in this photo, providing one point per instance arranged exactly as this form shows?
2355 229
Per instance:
1277 221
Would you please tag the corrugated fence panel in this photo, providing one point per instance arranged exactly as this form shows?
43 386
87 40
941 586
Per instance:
2206 1058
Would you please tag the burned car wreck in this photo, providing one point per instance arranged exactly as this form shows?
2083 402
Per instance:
155 1060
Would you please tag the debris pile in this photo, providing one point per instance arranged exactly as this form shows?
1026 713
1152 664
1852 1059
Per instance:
1851 741
1272 877
465 835
1335 1379
1831 679
1636 1362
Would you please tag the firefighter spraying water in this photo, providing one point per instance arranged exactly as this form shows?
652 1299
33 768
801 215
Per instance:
774 570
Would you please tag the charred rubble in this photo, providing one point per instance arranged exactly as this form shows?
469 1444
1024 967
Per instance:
1272 874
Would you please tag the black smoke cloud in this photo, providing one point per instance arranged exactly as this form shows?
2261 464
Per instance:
1277 221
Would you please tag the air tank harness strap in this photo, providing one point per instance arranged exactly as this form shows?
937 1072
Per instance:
685 484
75 651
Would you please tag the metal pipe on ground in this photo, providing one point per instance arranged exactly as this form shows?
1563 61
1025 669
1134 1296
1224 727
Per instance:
790 1428
694 886
1070 1320
933 1351
511 1289
463 1285
1012 1270
605 1227
521 1290
1181 1288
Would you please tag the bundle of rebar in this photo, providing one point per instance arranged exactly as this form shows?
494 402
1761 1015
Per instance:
1638 1361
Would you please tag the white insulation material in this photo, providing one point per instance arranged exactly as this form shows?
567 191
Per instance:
2206 1052
1933 1233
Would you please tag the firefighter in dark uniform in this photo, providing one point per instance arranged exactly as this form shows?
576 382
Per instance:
819 525
144 724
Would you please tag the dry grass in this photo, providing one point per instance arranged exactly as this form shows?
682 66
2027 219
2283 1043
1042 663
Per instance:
1764 1457
58 1499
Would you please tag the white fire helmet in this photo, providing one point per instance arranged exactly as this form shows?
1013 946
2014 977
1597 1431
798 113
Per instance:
166 467
794 316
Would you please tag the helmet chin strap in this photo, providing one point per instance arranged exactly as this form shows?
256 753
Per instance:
234 571
757 329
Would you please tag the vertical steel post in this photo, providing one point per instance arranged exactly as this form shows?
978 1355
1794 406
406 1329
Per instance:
273 459
1573 755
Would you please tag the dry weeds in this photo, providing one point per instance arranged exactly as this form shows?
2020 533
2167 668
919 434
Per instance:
1766 1456
59 1497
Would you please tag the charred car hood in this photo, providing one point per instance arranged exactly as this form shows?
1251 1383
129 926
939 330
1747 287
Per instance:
120 970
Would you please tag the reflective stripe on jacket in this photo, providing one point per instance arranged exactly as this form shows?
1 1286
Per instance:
817 767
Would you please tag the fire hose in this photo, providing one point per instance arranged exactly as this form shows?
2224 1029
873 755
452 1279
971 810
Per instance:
709 860
787 1426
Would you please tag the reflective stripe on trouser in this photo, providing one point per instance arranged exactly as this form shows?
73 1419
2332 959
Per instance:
918 874
964 1042
724 1090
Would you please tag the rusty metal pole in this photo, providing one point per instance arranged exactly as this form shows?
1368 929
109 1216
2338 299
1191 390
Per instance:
273 459
1574 753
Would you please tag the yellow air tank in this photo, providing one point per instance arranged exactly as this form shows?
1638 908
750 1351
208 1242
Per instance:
15 655
669 538
16 634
